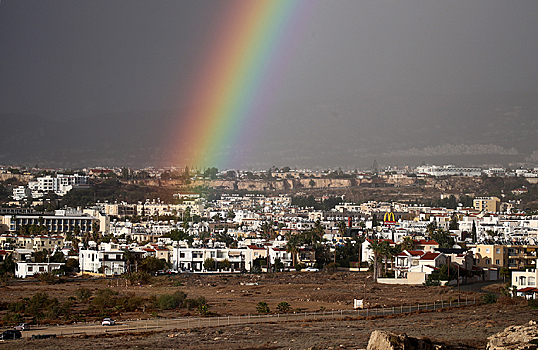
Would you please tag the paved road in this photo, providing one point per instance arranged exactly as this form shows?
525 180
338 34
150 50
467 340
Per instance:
475 286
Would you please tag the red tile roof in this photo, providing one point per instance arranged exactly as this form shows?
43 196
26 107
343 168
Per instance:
415 252
429 256
429 242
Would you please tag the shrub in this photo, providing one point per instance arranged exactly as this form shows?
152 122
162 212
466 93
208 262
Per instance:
331 268
48 278
489 298
262 308
299 267
83 294
141 277
17 306
194 303
105 298
283 307
431 282
533 303
170 301
203 309
15 318
131 302
209 264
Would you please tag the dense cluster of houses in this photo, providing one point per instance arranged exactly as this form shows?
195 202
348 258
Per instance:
486 240
490 237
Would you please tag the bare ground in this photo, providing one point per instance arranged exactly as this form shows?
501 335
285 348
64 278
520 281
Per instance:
232 295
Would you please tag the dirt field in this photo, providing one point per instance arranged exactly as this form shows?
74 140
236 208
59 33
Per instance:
239 294
234 295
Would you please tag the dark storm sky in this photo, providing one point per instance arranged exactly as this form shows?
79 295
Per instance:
71 59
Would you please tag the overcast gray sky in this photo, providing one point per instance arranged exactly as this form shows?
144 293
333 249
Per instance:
69 59
66 60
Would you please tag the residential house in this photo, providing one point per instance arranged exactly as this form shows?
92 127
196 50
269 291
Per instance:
414 267
109 262
29 269
525 283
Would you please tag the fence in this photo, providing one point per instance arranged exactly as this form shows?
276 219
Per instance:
188 322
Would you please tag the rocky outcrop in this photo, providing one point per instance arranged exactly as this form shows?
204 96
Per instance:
515 337
381 340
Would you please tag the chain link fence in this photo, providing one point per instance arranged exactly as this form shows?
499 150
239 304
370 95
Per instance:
194 322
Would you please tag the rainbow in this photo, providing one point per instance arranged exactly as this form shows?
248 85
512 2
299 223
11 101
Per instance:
245 60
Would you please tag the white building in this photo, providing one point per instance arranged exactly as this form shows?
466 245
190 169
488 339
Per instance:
61 184
21 192
108 260
28 269
448 170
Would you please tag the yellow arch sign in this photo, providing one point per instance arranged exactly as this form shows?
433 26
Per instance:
389 217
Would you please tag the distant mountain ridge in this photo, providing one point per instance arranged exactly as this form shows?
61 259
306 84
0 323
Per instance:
393 128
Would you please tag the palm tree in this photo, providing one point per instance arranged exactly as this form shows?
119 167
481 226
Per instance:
377 249
386 253
407 244
342 227
292 246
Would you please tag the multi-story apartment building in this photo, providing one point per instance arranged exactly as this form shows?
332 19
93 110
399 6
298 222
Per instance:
62 223
491 255
61 184
521 256
107 259
487 204
192 259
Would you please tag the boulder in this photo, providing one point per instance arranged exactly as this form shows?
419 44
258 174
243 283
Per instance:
515 337
381 340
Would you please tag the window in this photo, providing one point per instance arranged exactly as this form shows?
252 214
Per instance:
487 250
497 262
522 281
30 268
498 250
532 281
488 261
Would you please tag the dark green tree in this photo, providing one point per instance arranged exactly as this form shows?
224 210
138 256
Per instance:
444 238
454 223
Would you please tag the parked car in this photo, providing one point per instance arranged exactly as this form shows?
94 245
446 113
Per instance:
22 327
108 322
311 269
10 334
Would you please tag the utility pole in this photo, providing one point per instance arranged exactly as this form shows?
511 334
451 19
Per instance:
458 281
